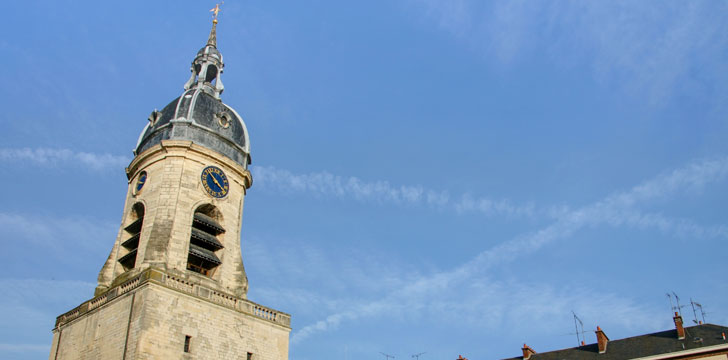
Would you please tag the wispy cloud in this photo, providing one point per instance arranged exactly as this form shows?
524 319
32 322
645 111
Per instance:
32 305
614 210
56 232
646 49
31 291
55 157
489 303
327 184
468 203
380 191
347 265
691 178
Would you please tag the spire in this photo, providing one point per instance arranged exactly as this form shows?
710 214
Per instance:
207 66
212 40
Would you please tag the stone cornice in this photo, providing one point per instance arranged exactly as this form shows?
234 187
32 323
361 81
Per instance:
167 146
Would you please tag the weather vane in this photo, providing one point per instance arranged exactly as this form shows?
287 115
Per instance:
216 10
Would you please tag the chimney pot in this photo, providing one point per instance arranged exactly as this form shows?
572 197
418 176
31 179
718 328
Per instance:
602 340
527 352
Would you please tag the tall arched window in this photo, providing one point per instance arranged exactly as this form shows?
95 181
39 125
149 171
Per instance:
204 242
134 231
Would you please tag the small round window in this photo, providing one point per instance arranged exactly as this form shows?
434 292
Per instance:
223 119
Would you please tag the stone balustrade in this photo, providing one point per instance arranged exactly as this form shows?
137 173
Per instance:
177 283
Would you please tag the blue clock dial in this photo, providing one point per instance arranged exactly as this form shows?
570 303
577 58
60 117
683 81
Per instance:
141 180
215 182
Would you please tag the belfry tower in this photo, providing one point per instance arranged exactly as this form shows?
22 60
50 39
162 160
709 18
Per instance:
174 285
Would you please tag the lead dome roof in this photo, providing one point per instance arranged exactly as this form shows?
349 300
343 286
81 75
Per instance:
201 118
199 115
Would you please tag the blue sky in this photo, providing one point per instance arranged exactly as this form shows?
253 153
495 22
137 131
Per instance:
449 177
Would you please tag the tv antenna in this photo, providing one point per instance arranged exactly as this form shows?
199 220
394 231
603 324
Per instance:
695 315
417 356
580 337
676 308
387 355
695 304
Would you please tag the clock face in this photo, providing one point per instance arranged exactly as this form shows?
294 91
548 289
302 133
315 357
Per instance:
141 180
215 182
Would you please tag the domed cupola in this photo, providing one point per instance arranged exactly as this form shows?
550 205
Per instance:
198 114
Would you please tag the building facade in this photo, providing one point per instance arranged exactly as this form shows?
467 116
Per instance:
174 285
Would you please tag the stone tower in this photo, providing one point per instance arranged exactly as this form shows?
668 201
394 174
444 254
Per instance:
174 285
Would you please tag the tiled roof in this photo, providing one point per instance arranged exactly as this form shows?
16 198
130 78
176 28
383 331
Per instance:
664 342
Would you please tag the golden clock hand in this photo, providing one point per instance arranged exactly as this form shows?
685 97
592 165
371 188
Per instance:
216 182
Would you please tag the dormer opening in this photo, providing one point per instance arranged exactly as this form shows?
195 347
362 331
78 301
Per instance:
205 244
133 231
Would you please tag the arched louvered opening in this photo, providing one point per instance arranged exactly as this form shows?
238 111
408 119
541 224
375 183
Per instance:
133 232
204 241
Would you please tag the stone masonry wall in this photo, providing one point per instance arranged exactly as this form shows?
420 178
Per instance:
170 196
98 335
216 332
160 319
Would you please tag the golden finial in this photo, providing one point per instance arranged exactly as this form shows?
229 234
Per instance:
216 10
212 41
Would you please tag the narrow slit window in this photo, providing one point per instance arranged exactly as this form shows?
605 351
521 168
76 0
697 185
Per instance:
250 356
187 343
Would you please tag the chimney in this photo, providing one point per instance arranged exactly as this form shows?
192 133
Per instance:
527 352
679 326
602 340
